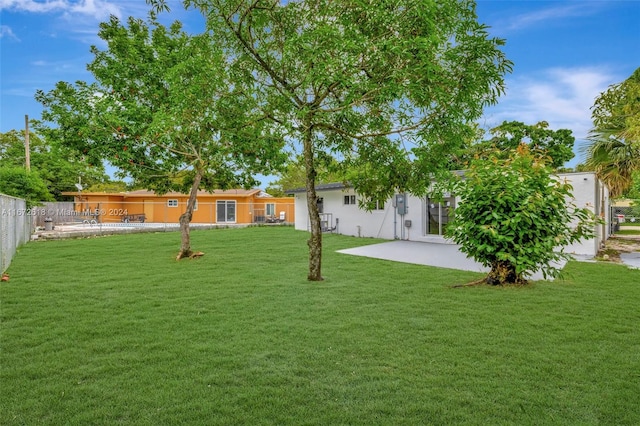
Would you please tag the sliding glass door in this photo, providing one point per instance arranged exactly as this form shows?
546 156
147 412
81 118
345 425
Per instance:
438 215
225 211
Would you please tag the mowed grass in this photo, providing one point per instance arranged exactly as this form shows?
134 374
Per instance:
113 330
629 231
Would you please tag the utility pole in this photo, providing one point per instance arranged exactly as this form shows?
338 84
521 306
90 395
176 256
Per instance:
27 151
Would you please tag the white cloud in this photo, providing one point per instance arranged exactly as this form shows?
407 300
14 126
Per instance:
561 96
553 14
46 71
32 6
506 22
98 9
6 31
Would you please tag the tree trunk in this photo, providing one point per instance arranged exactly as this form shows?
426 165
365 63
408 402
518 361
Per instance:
185 218
315 241
504 272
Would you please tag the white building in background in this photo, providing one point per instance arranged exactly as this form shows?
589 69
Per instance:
408 217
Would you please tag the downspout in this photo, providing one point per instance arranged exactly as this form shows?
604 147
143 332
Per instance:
603 213
395 222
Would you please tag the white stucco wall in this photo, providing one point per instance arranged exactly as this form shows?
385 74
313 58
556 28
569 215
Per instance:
347 219
351 220
589 192
387 224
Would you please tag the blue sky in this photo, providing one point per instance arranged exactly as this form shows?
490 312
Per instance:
564 52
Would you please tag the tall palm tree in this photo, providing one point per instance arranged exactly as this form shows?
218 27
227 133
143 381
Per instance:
613 151
614 160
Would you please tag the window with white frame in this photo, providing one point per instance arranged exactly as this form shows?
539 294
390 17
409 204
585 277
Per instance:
349 199
270 209
225 211
172 203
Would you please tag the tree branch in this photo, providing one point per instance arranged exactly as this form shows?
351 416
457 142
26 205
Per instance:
394 131
261 61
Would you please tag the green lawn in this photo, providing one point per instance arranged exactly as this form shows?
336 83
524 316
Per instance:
628 232
113 330
629 228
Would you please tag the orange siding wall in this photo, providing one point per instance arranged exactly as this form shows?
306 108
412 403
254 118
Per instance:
112 207
102 208
164 213
282 204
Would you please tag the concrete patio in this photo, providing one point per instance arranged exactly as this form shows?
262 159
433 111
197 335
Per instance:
420 253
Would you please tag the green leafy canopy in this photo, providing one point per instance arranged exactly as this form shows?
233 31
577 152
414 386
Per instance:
18 182
384 87
58 166
556 146
163 104
168 111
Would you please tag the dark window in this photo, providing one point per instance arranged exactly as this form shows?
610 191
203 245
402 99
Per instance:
349 199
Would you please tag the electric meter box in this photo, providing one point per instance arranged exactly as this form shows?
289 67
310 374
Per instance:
401 204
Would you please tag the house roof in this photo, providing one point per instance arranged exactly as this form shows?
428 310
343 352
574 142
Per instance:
321 187
342 185
238 193
217 192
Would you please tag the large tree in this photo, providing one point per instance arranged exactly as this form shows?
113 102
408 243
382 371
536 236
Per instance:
613 150
293 175
384 86
165 109
58 166
556 146
18 182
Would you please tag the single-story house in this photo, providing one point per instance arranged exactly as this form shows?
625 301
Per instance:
409 217
234 206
